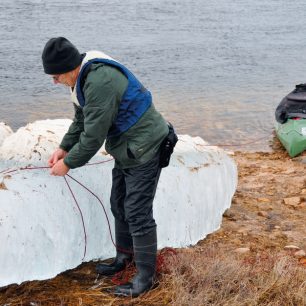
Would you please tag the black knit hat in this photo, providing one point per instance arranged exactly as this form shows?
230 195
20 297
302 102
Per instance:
60 56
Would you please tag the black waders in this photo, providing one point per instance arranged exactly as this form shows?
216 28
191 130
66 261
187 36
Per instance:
145 250
124 244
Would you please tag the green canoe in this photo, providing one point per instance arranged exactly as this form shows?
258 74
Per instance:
292 135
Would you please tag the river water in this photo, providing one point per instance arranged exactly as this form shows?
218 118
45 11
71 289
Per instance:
216 69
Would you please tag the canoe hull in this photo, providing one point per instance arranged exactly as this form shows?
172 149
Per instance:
292 135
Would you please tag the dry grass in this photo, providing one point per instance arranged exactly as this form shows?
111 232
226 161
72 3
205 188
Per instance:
207 277
81 286
197 276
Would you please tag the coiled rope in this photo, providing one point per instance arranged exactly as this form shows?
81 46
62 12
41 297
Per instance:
14 171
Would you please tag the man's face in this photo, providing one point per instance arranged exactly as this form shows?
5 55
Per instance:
67 79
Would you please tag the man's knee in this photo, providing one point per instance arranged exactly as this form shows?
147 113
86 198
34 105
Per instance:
140 226
118 213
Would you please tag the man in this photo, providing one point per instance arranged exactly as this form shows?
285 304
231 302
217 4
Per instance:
111 104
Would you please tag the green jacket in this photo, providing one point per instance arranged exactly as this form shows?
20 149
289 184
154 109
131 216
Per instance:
103 90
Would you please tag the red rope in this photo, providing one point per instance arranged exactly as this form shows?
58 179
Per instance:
122 277
7 171
105 213
162 260
107 219
84 229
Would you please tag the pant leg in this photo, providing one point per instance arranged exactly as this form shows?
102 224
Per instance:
141 183
118 194
124 242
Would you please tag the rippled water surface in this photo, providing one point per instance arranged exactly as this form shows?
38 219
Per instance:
216 69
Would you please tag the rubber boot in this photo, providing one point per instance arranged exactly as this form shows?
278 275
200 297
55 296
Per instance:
145 250
124 244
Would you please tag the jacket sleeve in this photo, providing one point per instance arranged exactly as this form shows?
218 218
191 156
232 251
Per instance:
74 131
100 109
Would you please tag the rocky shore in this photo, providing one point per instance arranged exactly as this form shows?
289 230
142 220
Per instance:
269 207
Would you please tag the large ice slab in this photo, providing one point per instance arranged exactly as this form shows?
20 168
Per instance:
41 229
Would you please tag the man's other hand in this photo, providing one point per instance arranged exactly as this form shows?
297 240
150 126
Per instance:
59 169
56 156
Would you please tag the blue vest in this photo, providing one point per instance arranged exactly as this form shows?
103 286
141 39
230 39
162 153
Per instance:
134 103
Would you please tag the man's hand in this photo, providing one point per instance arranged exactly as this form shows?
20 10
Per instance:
56 156
59 169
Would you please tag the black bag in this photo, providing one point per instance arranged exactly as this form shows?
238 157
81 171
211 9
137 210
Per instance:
167 146
293 105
